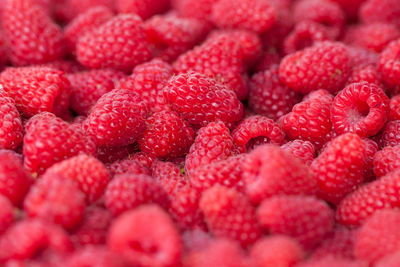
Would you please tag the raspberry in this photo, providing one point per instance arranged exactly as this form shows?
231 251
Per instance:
127 191
388 67
266 61
365 201
84 23
111 154
258 16
117 119
389 136
269 171
303 150
387 160
257 130
391 260
277 250
169 176
119 43
213 143
6 214
133 236
383 228
143 158
268 96
90 174
365 74
10 123
132 166
310 119
375 36
332 262
350 7
229 214
166 135
380 11
31 36
36 89
361 57
394 108
67 10
145 9
88 86
360 108
338 245
93 228
324 65
67 66
201 100
56 199
49 139
305 218
29 239
95 256
199 9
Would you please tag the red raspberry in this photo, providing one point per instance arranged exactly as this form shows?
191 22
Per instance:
350 7
111 154
324 65
310 119
324 12
371 149
213 143
365 201
201 100
128 165
197 240
36 89
394 108
375 36
258 16
388 67
257 130
93 228
119 43
49 139
391 260
383 229
268 96
84 23
88 86
332 262
173 35
365 74
67 66
361 57
338 245
132 235
6 213
31 35
143 8
305 218
10 123
305 34
127 191
143 158
229 214
387 160
198 9
90 174
95 256
30 239
269 171
389 136
380 11
67 10
266 61
303 150
277 250
360 108
169 176
117 119
166 135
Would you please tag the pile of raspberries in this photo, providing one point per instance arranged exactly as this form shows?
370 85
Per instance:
200 133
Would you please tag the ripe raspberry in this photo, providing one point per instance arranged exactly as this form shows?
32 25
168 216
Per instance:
388 67
132 235
93 228
269 171
95 256
371 149
361 57
127 191
268 96
380 11
117 119
350 7
387 160
389 136
229 214
31 36
166 135
67 10
394 108
30 239
84 23
277 250
6 213
145 9
365 201
338 245
143 158
49 139
365 74
201 100
258 16
88 86
67 66
128 165
89 173
382 228
257 130
360 108
332 262
109 155
36 89
324 65
10 123
391 260
119 43
305 218
266 61
169 176
375 36
303 150
198 9
213 143
310 119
